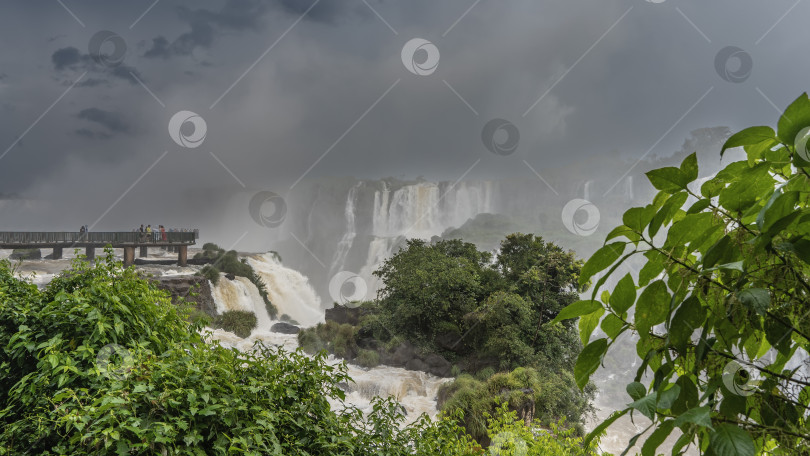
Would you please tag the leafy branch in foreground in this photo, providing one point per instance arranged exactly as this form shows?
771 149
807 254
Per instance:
722 303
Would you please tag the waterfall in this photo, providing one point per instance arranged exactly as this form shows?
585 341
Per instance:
238 294
289 290
628 189
346 242
587 190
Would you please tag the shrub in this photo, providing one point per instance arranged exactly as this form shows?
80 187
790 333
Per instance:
238 322
211 273
368 358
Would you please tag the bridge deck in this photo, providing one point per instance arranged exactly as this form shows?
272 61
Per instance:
33 240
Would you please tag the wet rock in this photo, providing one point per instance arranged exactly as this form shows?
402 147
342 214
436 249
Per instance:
404 353
285 328
192 289
437 365
230 276
416 364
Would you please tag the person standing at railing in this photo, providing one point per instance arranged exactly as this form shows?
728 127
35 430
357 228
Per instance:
163 233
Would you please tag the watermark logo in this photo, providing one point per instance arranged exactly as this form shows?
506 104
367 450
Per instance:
184 120
738 380
580 217
347 288
500 137
107 48
420 57
268 209
114 361
733 64
801 144
508 443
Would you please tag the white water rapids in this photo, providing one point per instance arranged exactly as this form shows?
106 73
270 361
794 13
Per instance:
293 295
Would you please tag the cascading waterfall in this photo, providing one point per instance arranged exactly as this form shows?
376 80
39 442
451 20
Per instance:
291 293
289 290
346 242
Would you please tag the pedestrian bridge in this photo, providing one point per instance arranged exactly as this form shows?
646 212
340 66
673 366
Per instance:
127 240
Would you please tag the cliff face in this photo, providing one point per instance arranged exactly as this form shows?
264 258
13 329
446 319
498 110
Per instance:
193 289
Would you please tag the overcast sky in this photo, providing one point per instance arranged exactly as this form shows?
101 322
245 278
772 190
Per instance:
300 89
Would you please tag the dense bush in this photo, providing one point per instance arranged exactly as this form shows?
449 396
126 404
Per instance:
552 397
101 363
211 273
238 322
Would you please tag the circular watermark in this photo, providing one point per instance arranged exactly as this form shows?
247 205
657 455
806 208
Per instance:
107 48
733 64
738 380
268 209
573 213
500 137
801 144
188 139
508 443
347 288
420 56
114 361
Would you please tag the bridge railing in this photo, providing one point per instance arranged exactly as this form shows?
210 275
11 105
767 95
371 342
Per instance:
114 238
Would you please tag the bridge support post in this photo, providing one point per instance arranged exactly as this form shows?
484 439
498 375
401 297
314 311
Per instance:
57 253
90 252
129 256
182 255
144 251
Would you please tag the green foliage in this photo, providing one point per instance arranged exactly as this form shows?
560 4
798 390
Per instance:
335 338
211 273
26 254
449 289
725 327
368 358
511 437
238 322
101 363
550 396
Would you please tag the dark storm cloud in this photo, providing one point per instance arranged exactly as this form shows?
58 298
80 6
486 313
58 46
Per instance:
235 15
70 58
112 120
607 90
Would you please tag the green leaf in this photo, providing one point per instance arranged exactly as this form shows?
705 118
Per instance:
689 166
700 416
722 250
636 390
600 260
756 299
612 325
647 405
669 179
652 307
689 317
577 309
749 136
624 295
796 117
730 440
636 218
622 230
657 438
667 397
588 361
588 323
598 430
